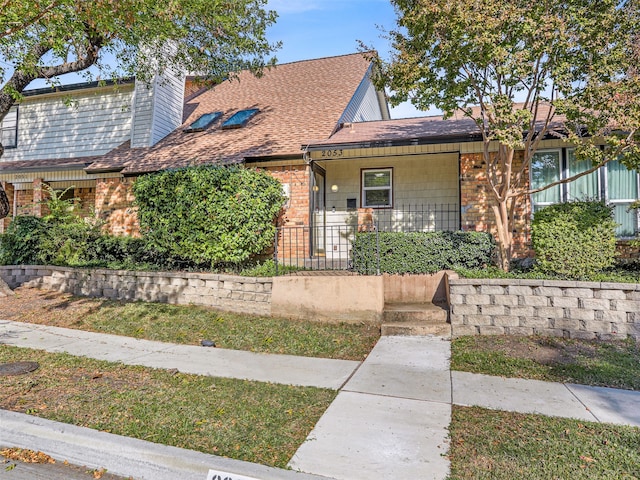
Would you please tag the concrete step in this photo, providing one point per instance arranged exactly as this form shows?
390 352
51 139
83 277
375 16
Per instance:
417 319
419 312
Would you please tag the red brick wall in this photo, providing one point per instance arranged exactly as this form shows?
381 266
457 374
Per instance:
294 242
85 201
476 200
25 202
297 177
114 205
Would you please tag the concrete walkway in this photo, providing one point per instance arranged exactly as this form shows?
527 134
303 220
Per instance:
390 418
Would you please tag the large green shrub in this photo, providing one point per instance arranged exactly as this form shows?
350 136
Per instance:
421 252
574 240
20 244
208 215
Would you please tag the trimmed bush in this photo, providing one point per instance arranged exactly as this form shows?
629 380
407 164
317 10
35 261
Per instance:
208 215
421 252
574 240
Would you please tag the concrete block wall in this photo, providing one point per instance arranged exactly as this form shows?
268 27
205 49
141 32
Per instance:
227 292
582 310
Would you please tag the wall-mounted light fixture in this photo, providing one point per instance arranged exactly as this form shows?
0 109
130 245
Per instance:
316 188
334 188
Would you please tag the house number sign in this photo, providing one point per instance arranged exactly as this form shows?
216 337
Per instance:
217 475
336 152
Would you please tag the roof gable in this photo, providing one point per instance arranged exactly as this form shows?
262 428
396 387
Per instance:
296 102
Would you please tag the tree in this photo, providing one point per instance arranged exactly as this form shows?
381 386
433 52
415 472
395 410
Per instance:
523 70
44 39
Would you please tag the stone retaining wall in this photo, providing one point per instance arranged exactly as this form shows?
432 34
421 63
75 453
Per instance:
227 292
584 310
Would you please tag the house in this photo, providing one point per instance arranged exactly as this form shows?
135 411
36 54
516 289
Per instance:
106 137
319 126
426 174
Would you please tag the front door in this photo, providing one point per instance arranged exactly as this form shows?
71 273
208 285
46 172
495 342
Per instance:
318 212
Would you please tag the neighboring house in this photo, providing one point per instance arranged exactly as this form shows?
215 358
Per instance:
257 121
52 135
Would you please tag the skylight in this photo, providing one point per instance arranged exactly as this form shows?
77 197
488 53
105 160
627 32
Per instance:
240 119
203 122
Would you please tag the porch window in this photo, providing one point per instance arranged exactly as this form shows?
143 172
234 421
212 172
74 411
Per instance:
9 129
622 190
377 187
545 169
613 183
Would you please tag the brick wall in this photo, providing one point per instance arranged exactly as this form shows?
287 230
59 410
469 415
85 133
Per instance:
585 310
296 212
296 179
86 199
226 292
476 200
114 205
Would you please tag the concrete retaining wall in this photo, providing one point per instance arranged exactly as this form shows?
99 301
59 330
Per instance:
227 292
585 310
416 288
332 298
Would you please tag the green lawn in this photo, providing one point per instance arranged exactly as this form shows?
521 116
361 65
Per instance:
188 324
252 421
487 444
608 364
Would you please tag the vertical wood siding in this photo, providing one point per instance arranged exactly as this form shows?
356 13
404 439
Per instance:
364 105
157 110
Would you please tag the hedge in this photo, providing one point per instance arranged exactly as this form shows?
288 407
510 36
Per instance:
421 252
209 215
574 240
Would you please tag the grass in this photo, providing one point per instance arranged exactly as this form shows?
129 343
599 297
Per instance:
192 324
608 364
487 444
252 421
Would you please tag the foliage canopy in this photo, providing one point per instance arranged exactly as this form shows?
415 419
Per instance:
524 71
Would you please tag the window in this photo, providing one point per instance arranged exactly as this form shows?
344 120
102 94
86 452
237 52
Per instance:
377 188
615 184
9 129
545 169
622 190
240 119
203 122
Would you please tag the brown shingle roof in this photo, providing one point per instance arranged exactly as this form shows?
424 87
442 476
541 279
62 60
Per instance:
297 101
434 129
17 166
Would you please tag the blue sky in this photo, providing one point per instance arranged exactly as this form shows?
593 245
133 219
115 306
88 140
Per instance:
324 28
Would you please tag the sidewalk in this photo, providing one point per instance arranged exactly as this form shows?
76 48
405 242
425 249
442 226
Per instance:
390 418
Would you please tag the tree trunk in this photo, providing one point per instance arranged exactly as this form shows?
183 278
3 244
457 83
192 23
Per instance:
505 234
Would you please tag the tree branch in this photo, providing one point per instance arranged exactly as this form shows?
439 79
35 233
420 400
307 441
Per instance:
28 22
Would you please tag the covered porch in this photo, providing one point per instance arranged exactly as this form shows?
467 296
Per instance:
370 188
